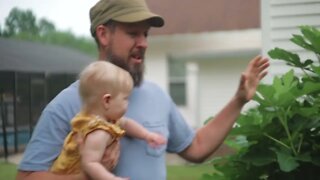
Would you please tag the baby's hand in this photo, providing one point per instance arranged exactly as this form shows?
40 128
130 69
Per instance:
155 140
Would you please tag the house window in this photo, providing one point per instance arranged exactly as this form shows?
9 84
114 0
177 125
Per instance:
177 81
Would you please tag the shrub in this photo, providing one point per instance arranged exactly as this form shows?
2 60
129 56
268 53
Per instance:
279 139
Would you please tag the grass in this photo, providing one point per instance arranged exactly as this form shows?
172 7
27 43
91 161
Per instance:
174 172
7 171
187 172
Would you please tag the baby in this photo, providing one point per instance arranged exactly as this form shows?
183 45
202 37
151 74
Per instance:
104 89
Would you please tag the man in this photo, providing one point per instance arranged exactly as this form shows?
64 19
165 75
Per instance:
120 28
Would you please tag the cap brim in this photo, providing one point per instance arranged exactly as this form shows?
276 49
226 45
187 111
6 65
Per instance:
153 19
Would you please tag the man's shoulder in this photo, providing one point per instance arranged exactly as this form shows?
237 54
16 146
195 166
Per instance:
149 85
68 96
150 90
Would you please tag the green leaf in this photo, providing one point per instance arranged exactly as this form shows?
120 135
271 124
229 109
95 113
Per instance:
260 157
316 69
307 62
299 40
286 162
307 111
281 54
251 117
264 95
247 130
284 89
313 36
306 157
310 87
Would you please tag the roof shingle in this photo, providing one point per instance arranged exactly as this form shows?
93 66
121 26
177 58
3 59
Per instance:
16 55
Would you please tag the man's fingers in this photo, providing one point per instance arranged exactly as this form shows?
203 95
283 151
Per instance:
263 62
259 65
254 63
263 66
262 75
256 59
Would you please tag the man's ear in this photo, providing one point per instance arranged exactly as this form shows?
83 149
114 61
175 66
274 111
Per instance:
103 35
106 98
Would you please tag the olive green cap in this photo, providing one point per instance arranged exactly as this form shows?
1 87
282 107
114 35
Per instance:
127 11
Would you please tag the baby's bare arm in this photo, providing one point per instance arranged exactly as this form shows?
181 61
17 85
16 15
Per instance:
92 152
136 130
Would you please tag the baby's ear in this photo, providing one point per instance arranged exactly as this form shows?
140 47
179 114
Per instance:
106 98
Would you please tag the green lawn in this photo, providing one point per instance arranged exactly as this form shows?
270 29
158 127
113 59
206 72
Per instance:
7 171
187 172
175 172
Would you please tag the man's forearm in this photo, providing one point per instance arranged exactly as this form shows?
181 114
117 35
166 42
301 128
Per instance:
209 137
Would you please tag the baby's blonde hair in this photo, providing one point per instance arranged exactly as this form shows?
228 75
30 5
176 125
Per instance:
102 77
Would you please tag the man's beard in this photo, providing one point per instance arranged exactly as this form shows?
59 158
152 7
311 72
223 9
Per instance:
135 71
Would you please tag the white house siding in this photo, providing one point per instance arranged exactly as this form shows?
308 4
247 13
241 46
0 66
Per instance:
218 81
210 81
157 70
280 19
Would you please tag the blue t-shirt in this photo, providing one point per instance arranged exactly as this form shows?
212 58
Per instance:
148 105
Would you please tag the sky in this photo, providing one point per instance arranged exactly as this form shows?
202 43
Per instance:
71 15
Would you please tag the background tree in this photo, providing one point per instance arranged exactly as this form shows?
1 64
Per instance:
20 21
46 27
23 25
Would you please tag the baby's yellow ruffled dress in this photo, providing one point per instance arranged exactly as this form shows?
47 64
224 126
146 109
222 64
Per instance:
68 162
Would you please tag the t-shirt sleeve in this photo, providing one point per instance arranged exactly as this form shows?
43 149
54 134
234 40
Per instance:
46 142
52 127
180 133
